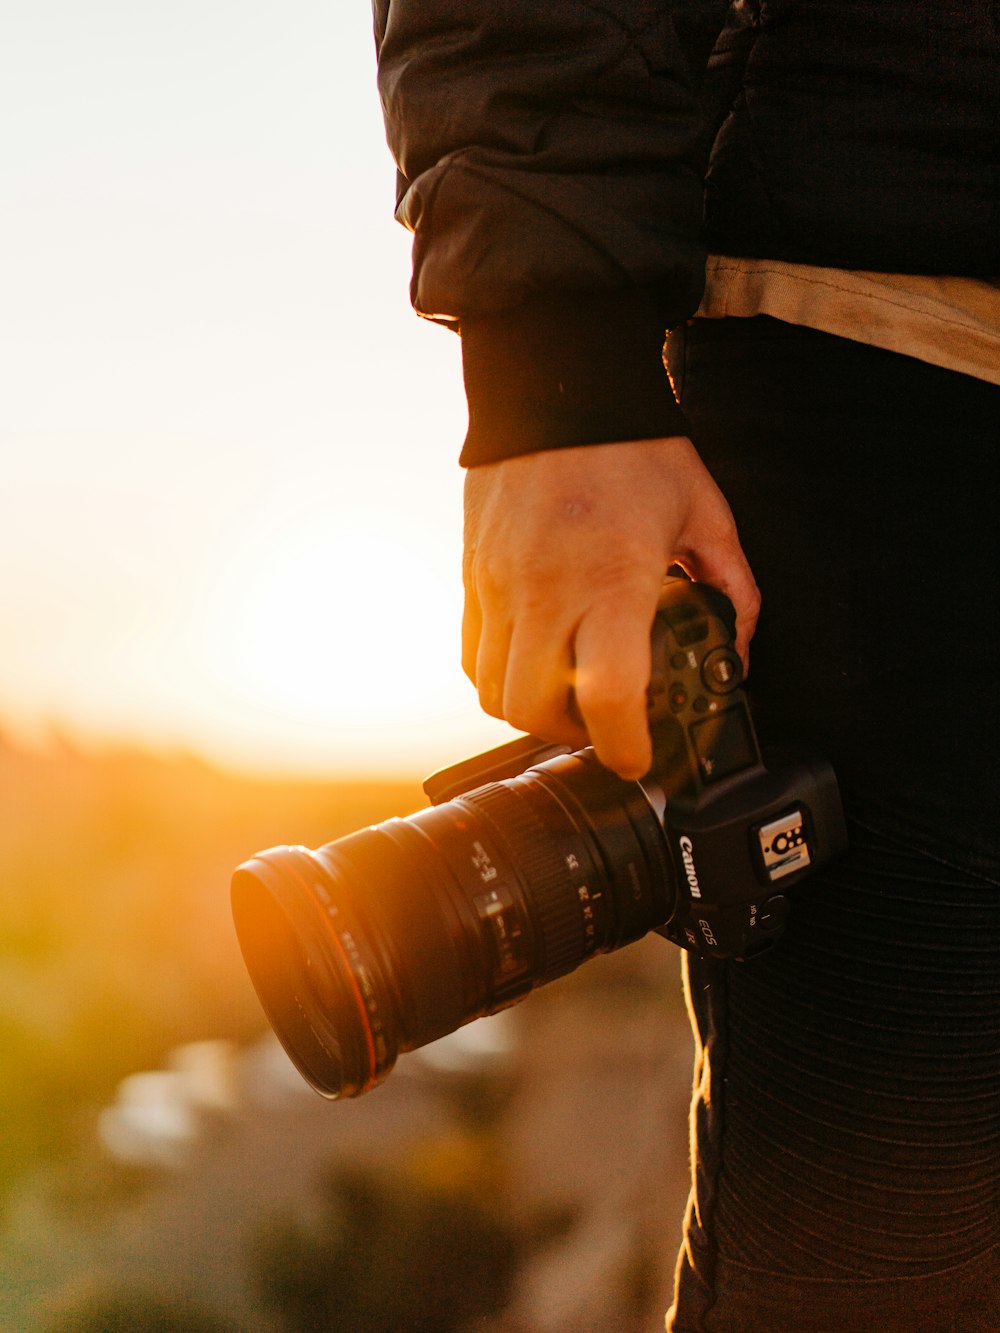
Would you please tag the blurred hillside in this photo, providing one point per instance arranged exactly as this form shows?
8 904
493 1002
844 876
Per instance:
116 941
561 1155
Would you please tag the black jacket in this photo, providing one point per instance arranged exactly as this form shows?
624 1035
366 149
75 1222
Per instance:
564 164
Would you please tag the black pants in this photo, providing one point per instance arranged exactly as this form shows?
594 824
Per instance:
847 1100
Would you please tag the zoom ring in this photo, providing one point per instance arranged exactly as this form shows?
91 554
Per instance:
554 902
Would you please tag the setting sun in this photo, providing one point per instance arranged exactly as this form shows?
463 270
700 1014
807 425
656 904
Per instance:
341 634
332 622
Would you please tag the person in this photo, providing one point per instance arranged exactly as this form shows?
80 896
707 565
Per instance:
805 194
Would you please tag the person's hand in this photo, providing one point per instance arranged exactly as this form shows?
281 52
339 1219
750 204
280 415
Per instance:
565 555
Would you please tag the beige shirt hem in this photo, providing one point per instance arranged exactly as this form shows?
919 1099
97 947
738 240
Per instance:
947 321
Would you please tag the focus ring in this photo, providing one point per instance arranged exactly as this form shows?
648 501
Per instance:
552 894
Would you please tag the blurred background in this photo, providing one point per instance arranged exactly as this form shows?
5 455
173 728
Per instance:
229 610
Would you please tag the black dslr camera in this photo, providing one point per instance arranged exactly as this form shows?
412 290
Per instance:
530 860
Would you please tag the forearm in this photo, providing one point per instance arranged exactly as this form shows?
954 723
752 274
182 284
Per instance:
551 173
550 170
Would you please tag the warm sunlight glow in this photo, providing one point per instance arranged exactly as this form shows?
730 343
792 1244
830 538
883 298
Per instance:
338 624
230 498
311 636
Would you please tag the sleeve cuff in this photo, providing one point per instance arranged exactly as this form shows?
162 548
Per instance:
566 371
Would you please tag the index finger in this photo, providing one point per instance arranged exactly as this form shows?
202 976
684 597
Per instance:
613 662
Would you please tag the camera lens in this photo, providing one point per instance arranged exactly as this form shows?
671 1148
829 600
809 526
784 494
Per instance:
392 937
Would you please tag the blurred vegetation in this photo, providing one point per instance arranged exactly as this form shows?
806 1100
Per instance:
384 1256
429 1244
117 946
138 1311
116 942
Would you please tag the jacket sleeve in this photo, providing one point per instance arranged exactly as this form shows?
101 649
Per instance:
550 158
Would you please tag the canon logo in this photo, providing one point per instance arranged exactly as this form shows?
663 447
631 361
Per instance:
687 855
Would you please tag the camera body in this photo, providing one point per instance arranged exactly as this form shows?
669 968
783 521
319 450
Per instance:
532 859
738 832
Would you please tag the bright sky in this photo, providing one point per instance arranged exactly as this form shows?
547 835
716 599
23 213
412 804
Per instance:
229 497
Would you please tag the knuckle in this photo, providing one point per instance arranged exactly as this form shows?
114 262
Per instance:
525 710
541 715
491 702
490 577
526 722
749 603
602 693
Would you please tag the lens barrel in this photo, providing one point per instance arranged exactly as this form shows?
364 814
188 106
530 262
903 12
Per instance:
392 937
